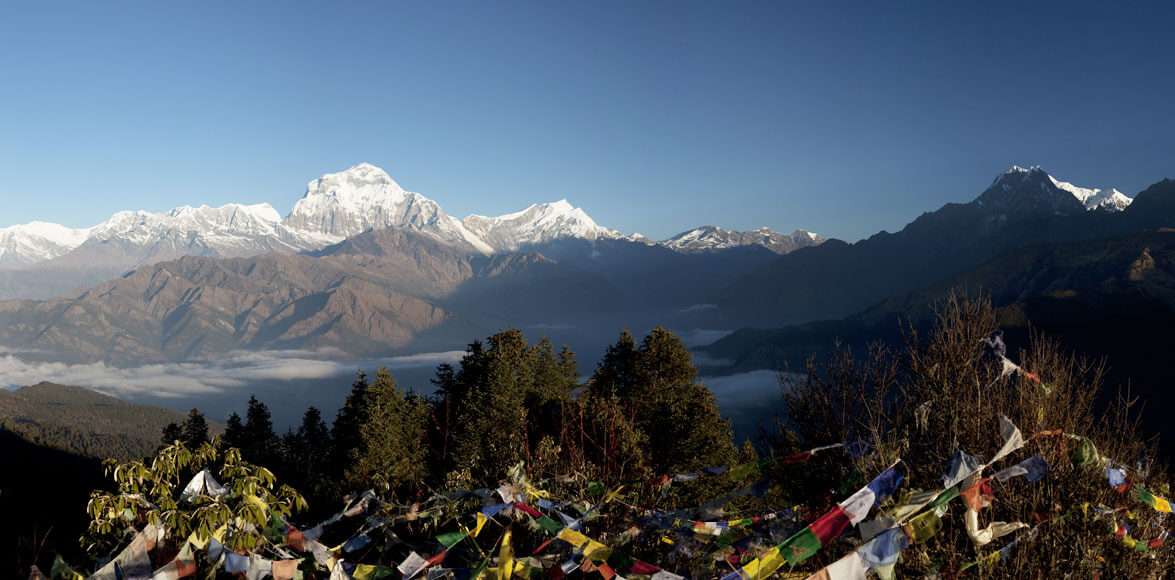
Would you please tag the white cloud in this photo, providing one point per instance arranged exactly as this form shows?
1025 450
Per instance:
184 379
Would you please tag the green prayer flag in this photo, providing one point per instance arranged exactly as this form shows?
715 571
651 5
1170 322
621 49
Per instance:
800 547
450 539
549 525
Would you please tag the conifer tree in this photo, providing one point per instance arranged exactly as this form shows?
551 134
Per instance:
261 443
492 414
617 373
195 429
234 432
391 453
345 431
679 417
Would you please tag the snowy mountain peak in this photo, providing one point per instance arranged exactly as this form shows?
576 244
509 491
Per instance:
1027 189
26 244
1092 198
712 238
538 223
364 197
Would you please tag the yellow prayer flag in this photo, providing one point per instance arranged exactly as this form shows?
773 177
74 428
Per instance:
596 551
572 537
1162 505
481 522
363 572
763 566
506 558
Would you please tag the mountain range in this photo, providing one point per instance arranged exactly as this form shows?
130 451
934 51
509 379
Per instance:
364 268
41 260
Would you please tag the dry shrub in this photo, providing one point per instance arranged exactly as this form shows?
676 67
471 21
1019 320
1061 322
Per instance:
943 393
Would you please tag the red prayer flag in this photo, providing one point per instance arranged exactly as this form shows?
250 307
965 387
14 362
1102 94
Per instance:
528 510
830 525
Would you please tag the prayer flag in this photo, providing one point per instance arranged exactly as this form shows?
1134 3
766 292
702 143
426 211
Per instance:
859 504
411 565
481 522
850 567
1013 439
506 558
288 569
961 466
450 539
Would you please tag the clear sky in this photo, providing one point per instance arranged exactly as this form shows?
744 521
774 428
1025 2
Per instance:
653 116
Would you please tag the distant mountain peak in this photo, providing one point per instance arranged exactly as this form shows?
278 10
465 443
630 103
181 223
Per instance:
537 223
1034 189
709 238
25 244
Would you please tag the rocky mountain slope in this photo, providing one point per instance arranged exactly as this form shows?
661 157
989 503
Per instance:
835 279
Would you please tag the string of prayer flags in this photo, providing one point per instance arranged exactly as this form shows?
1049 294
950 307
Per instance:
805 543
1159 504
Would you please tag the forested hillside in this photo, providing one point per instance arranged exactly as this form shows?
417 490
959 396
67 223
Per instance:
82 421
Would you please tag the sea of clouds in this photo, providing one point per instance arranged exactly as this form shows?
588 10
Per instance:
235 370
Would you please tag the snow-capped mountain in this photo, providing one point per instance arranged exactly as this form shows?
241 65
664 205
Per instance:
539 223
1033 189
1093 198
364 197
712 238
34 242
133 238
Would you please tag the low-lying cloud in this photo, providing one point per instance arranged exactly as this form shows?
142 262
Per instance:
234 370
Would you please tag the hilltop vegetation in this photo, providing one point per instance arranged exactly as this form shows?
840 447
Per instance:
631 449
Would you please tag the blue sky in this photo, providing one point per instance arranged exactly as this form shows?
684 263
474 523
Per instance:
653 116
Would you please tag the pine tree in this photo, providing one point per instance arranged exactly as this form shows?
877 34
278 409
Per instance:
195 430
492 413
617 372
261 443
551 380
678 415
234 432
315 446
391 453
346 429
